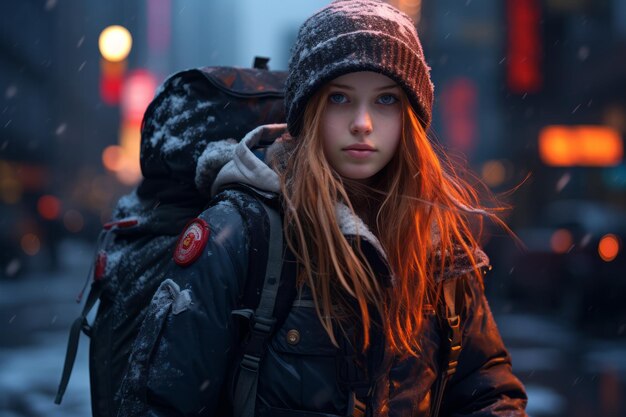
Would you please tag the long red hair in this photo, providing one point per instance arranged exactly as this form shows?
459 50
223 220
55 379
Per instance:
418 208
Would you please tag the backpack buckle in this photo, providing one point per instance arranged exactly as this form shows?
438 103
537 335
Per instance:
455 344
263 324
250 362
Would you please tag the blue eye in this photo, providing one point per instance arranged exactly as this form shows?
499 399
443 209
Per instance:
337 98
387 99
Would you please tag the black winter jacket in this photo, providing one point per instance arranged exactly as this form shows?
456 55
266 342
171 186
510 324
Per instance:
185 354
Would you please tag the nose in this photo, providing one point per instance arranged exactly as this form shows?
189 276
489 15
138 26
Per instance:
361 122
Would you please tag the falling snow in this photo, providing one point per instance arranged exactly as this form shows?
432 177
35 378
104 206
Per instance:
563 181
13 267
60 129
585 240
50 4
10 92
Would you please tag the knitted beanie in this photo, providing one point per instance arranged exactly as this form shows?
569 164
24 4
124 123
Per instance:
357 35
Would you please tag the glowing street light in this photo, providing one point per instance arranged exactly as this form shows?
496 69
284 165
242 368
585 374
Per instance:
115 43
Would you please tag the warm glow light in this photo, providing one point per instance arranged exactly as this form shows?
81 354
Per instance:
561 241
493 173
10 190
49 207
137 93
112 158
130 139
10 187
111 81
524 46
115 43
30 244
580 146
608 248
123 160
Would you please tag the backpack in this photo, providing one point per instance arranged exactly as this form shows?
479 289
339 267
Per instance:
190 110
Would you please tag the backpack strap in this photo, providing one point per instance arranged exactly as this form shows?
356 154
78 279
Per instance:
261 321
248 201
270 309
454 296
95 274
72 345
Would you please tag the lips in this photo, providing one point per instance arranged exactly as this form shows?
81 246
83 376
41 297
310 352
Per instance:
359 151
359 147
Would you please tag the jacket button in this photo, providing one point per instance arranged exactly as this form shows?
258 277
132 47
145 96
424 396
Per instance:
293 337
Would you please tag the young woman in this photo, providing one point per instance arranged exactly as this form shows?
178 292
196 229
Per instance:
377 224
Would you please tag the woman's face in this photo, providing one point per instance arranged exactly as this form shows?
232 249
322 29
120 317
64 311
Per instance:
361 124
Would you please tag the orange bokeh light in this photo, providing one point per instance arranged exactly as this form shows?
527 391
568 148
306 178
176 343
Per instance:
30 244
49 207
608 248
561 241
112 158
580 146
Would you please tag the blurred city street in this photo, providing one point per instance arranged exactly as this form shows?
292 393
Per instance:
36 312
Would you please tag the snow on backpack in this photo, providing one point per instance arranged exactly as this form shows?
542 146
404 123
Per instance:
194 111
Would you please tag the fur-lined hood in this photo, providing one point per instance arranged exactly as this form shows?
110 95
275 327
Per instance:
226 162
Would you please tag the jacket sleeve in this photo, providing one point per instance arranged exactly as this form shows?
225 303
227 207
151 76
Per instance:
484 384
181 358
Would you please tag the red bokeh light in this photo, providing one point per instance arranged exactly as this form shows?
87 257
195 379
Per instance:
49 207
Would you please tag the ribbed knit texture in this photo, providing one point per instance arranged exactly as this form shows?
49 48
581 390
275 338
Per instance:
357 35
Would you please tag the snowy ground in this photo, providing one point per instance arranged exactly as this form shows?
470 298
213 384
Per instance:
36 312
566 373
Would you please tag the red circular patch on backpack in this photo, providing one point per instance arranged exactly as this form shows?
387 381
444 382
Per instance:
191 242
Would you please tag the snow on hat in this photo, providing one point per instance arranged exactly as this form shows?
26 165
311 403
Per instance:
357 35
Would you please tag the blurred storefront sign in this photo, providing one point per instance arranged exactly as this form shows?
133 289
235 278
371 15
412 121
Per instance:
123 159
524 46
459 104
138 91
585 146
111 80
